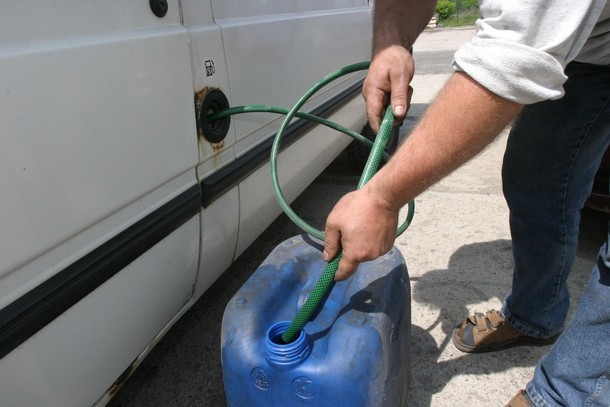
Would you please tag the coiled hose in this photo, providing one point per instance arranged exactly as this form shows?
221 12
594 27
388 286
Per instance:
324 283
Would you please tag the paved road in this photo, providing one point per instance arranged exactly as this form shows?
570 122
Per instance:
432 62
458 252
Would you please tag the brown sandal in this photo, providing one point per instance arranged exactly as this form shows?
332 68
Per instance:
490 332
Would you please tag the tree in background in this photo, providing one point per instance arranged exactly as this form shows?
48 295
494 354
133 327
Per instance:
470 4
457 12
445 9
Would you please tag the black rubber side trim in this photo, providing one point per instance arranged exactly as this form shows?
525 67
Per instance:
30 313
217 184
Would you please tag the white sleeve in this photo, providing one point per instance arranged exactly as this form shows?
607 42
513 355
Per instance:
521 48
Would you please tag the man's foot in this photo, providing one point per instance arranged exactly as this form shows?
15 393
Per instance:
521 399
490 332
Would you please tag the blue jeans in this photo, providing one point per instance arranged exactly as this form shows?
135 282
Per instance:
576 372
552 155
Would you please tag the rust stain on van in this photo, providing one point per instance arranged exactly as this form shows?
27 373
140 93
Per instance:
120 381
216 147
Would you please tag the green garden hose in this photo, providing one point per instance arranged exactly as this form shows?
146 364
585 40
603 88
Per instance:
377 153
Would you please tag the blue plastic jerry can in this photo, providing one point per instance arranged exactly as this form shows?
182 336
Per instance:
354 352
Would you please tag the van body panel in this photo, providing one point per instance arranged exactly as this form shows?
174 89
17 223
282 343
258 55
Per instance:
81 143
75 358
281 58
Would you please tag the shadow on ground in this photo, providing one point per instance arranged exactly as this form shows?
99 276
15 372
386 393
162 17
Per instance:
448 292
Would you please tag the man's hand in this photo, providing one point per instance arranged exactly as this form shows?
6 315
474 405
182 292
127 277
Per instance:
363 226
387 82
363 223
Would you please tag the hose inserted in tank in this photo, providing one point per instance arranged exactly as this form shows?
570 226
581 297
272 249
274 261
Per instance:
324 283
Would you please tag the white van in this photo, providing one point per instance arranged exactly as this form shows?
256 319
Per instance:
117 211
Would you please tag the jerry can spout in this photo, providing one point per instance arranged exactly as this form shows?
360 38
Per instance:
282 354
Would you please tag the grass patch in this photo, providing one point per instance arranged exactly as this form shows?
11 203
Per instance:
460 19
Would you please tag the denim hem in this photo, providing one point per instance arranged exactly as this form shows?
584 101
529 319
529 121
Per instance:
536 398
524 329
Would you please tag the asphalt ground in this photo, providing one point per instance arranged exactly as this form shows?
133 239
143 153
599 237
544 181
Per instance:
458 251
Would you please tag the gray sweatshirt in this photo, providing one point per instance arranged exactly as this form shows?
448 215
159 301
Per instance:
521 47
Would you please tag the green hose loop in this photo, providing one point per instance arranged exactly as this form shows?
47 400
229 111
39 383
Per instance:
275 149
325 282
278 140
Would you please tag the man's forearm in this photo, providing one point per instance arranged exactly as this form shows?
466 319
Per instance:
461 122
399 22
